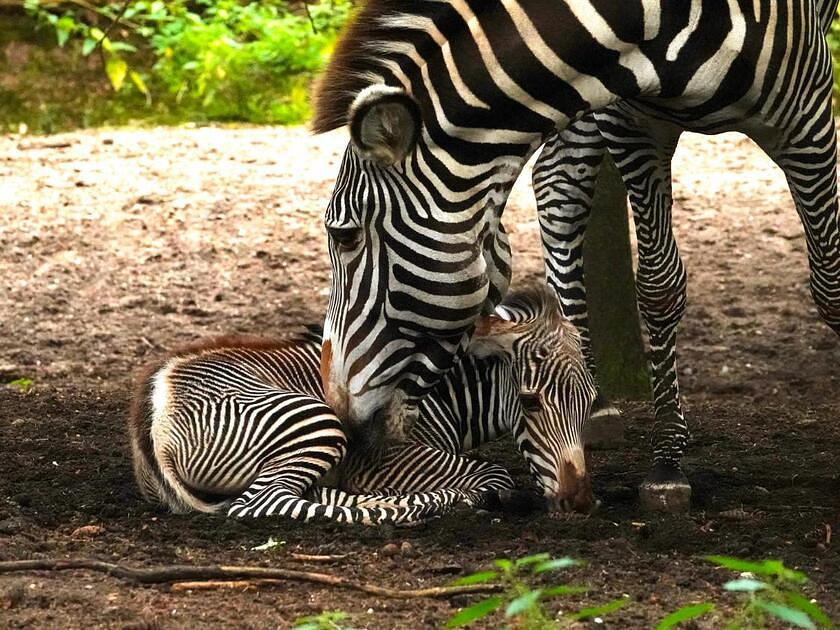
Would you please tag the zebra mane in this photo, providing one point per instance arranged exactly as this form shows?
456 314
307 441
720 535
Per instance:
532 303
356 60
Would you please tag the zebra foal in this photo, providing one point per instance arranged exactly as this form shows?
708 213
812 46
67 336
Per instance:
239 424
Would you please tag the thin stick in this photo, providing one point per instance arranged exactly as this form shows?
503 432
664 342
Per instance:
181 573
305 557
113 23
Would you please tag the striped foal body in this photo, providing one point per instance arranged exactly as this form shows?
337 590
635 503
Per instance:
239 424
446 100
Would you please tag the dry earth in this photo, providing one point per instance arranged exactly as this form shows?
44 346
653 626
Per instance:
116 244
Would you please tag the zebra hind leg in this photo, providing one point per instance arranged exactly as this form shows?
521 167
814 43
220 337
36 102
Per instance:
642 151
564 180
810 166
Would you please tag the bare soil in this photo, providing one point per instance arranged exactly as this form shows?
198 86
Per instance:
116 244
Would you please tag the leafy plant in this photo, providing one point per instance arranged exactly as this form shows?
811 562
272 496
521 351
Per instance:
23 384
768 589
322 621
521 598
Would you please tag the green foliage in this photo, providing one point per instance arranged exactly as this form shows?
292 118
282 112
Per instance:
323 621
768 590
206 59
23 384
686 613
522 599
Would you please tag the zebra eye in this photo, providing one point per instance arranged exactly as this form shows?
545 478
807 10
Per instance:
345 237
530 401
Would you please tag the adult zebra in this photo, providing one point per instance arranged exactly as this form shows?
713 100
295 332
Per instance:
642 145
446 100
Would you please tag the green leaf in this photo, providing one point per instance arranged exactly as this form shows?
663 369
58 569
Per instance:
776 567
476 578
137 80
503 563
603 609
64 27
744 585
327 619
529 560
555 591
767 567
23 385
474 612
810 608
522 603
87 46
116 68
684 614
736 564
555 564
787 614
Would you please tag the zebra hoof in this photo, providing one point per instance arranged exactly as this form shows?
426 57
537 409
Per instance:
605 428
666 490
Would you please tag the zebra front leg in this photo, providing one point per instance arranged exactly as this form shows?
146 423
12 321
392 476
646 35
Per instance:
564 179
642 151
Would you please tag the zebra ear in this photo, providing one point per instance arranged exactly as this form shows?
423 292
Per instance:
493 336
384 123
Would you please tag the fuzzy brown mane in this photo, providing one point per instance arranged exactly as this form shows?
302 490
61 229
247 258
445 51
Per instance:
353 59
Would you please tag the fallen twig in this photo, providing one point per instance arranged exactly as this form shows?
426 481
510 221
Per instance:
305 557
220 574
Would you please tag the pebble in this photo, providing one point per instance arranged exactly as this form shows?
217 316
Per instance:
88 531
390 550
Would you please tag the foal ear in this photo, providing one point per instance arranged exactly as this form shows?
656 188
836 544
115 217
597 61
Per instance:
384 124
493 336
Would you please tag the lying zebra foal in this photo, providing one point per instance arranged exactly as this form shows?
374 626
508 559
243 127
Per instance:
240 424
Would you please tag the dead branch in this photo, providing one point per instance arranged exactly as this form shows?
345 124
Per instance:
222 573
306 557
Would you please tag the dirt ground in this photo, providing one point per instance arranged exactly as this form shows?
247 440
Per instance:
116 244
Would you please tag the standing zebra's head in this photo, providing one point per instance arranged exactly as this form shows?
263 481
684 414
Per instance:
414 266
556 392
414 223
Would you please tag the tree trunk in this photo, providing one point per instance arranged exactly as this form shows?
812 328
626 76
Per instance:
610 292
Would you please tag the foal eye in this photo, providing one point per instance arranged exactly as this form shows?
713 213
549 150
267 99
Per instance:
530 401
345 237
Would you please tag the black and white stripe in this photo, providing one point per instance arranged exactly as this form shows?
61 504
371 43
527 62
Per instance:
446 100
240 425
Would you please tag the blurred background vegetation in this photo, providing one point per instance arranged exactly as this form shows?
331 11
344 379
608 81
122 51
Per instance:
69 64
79 63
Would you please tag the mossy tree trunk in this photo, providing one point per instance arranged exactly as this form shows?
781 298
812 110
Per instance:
611 295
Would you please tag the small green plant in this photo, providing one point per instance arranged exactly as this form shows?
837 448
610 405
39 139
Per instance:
23 384
323 621
768 590
522 598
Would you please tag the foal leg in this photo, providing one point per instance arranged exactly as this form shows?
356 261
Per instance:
415 468
642 150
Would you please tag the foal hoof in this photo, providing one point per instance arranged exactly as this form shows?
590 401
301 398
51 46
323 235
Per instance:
605 427
666 489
